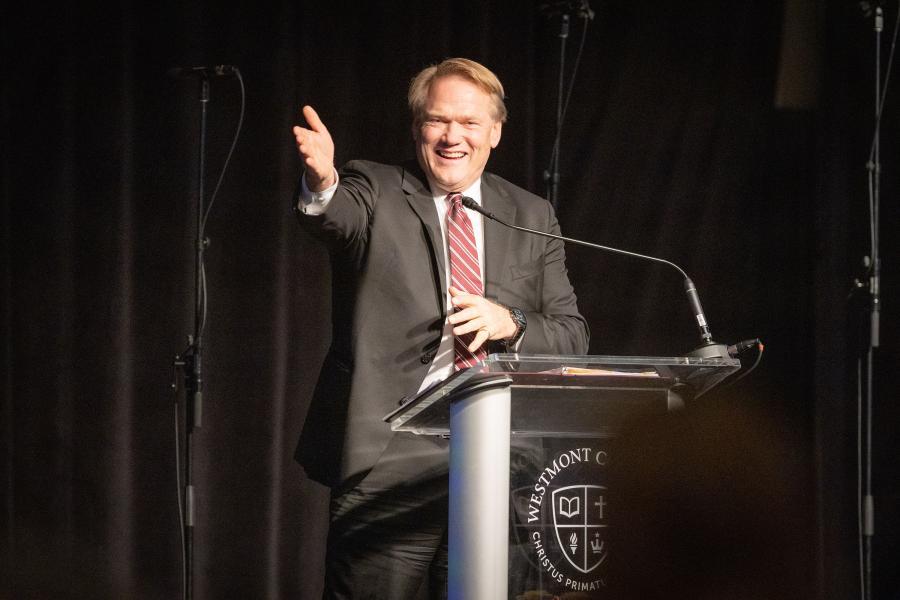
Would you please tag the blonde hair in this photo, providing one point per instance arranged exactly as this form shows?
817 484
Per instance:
470 70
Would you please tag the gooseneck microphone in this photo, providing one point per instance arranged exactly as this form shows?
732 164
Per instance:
708 348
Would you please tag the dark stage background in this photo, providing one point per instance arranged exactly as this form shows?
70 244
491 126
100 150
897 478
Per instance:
729 137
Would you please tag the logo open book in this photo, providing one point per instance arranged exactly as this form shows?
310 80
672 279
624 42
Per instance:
569 507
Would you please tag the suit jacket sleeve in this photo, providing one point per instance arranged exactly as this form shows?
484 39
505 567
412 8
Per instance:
555 326
529 271
344 225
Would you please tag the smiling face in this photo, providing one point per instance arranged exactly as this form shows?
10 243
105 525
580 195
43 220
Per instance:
458 129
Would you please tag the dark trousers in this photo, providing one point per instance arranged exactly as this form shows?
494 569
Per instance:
388 534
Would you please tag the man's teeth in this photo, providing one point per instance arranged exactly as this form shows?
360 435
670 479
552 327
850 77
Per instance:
446 154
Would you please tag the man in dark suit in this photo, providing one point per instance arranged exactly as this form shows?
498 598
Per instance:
394 285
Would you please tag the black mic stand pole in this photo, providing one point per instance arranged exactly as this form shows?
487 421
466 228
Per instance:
874 168
551 176
191 359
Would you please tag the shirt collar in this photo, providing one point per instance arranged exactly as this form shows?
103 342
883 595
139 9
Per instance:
473 192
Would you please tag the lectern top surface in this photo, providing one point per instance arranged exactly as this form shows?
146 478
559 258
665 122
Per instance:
696 374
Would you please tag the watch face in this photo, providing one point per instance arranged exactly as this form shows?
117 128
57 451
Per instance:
518 316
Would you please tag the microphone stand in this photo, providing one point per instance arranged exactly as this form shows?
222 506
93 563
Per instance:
873 166
191 359
707 349
564 8
189 363
551 176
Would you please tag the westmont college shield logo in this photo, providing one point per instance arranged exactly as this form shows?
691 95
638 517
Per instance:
565 511
580 524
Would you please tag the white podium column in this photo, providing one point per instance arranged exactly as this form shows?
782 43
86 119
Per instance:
479 495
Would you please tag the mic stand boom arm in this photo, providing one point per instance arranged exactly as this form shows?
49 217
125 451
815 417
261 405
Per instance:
708 348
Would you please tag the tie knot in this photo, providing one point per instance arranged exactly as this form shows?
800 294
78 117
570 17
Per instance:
455 200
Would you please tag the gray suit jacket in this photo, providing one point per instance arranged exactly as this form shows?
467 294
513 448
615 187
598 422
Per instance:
389 289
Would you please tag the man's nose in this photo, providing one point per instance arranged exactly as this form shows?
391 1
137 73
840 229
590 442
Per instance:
452 133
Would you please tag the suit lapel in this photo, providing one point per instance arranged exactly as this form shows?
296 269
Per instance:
496 236
421 201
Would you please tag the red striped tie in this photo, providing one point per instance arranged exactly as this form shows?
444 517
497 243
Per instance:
465 272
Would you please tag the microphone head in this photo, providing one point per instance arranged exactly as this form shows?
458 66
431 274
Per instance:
213 71
469 203
472 205
225 70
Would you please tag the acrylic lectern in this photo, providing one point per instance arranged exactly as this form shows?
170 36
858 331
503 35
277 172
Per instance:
507 402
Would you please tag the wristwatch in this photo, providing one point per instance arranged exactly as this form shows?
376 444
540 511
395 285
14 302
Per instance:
521 322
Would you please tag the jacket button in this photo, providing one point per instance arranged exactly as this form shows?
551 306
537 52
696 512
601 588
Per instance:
427 359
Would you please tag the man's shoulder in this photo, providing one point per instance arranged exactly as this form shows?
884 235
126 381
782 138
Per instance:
513 192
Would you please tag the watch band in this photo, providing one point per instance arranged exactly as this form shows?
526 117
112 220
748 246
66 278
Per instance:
518 317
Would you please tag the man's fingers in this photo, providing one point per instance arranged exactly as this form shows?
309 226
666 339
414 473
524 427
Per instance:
464 299
300 134
312 118
477 313
461 316
480 338
476 325
469 327
304 139
455 293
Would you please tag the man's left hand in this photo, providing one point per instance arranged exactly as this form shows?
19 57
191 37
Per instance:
489 321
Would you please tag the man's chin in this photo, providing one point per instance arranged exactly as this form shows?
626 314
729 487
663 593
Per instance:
448 183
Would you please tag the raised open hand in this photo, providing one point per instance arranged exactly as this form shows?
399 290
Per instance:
316 148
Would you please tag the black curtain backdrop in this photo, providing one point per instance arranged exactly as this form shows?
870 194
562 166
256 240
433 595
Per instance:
674 146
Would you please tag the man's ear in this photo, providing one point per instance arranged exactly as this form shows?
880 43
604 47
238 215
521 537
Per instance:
496 130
